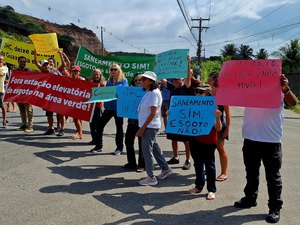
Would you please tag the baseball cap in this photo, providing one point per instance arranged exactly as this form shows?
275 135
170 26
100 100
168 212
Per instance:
149 74
43 62
77 68
204 87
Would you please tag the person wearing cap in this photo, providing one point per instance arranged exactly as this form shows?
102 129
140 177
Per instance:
44 67
223 134
75 73
116 78
180 87
149 123
203 151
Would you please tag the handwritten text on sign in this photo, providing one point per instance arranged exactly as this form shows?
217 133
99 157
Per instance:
191 115
250 83
128 101
171 64
103 94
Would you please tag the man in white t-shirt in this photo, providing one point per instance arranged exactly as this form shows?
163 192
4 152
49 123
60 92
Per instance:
3 74
262 133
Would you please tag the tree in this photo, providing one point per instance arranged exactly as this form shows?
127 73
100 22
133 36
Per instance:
262 54
290 56
229 50
245 52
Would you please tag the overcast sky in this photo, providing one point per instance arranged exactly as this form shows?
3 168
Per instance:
154 25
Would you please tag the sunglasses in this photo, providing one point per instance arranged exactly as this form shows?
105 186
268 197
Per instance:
136 80
113 69
200 92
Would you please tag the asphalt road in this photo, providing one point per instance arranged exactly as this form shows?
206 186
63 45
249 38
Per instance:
55 180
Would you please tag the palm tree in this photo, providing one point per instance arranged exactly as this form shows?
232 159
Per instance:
262 54
290 56
229 50
245 52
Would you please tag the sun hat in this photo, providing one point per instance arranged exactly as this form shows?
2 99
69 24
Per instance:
43 62
77 68
149 74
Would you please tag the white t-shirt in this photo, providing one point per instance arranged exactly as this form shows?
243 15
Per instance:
3 69
263 125
151 98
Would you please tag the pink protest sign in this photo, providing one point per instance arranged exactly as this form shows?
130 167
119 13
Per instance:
250 83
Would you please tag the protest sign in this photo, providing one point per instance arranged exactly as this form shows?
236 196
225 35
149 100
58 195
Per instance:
171 64
128 101
130 65
191 115
12 49
45 43
59 94
103 94
250 83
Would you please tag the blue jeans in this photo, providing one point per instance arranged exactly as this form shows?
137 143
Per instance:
94 123
151 148
204 154
106 116
270 154
129 142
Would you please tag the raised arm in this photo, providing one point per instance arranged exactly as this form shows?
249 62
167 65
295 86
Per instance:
289 97
36 62
188 80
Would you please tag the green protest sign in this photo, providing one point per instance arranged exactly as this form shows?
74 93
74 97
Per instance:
129 64
103 94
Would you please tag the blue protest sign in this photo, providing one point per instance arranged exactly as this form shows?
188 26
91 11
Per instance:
191 115
103 94
171 64
128 101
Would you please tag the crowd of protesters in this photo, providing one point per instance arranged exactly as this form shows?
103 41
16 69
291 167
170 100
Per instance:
262 129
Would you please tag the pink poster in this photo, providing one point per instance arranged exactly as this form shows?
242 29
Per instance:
250 83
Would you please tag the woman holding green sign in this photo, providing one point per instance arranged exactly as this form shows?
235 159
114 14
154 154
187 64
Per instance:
116 78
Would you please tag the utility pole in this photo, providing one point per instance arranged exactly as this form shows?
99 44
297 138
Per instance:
102 45
199 44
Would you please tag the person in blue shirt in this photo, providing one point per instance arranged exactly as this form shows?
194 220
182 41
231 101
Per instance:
116 78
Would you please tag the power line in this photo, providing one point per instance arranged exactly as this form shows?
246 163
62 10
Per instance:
186 20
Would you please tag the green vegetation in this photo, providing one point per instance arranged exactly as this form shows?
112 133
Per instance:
15 23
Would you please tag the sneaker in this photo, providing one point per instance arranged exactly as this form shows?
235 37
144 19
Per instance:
148 181
117 152
194 191
244 203
96 150
164 174
173 161
211 196
129 166
22 128
140 170
163 133
273 216
50 131
61 133
28 130
186 165
91 142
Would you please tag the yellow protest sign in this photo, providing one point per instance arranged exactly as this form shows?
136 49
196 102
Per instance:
45 43
12 49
